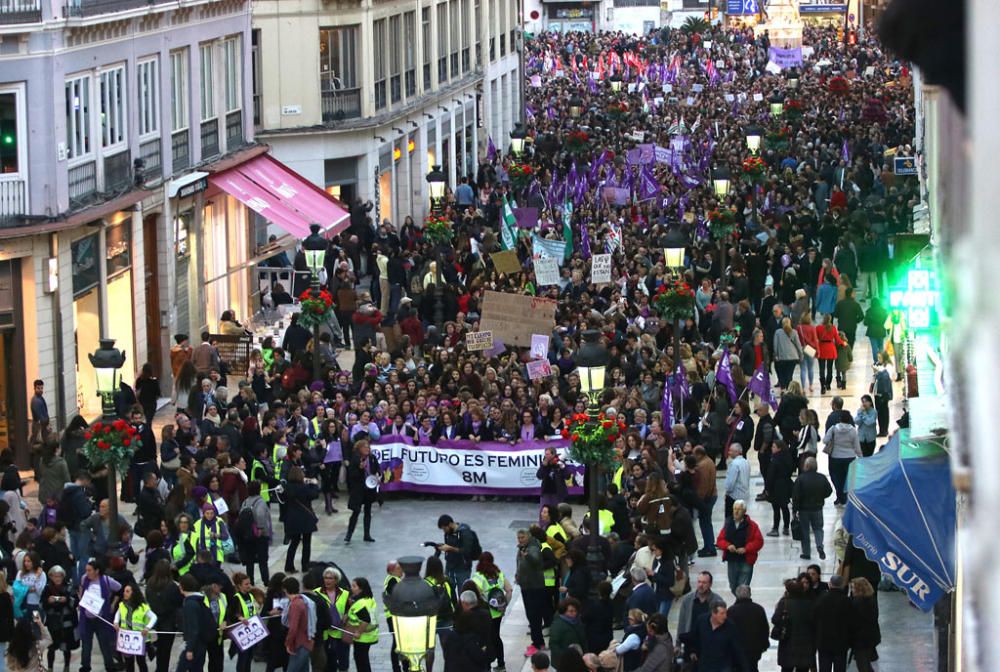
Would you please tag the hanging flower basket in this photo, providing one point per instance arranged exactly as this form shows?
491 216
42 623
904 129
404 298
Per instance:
721 223
111 444
754 169
674 301
838 86
316 308
778 139
593 439
520 175
577 142
793 110
618 109
437 230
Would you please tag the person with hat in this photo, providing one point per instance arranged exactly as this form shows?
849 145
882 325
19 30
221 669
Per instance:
211 533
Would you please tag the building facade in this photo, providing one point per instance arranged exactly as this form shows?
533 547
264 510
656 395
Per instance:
103 105
386 91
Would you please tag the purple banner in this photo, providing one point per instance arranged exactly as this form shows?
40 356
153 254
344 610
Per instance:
467 467
785 58
527 218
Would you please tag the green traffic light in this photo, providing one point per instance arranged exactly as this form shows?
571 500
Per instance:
8 139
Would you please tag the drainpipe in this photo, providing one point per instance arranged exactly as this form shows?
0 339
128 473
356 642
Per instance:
57 327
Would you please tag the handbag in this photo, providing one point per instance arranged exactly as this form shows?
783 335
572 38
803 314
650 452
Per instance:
809 351
779 632
681 585
796 526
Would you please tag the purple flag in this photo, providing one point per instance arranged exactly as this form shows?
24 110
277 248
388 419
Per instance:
584 240
845 152
667 406
580 193
724 375
571 177
592 85
648 186
680 386
491 150
760 385
527 218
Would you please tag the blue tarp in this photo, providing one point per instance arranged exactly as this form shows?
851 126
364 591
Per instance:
901 513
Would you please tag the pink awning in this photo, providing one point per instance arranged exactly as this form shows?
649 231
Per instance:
282 196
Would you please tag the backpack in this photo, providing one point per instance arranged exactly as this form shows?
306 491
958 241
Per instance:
477 549
447 609
497 598
323 622
246 528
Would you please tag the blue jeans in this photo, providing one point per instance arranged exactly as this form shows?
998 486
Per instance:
806 366
298 661
705 507
876 348
104 635
740 573
811 520
459 577
79 545
665 604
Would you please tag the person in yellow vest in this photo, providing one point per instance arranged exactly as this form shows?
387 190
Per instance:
549 521
211 534
393 575
497 591
182 552
334 598
218 604
550 572
242 608
134 614
261 471
363 619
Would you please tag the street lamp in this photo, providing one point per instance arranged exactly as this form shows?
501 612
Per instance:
517 137
720 182
437 181
616 83
414 613
575 106
777 105
674 243
754 134
107 360
792 79
314 247
592 363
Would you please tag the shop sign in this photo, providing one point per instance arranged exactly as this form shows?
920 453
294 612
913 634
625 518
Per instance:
904 165
191 189
118 241
742 7
575 13
86 272
821 9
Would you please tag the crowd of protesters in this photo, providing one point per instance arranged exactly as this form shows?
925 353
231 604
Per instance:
279 443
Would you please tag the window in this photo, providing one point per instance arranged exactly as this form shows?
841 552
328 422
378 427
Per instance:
231 61
149 96
410 52
515 21
378 31
454 30
112 112
338 48
395 57
425 21
178 90
479 31
78 137
502 27
207 82
11 121
465 36
255 74
442 40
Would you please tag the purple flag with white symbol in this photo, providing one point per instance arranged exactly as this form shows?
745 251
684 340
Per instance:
667 406
760 384
724 375
680 386
584 241
649 187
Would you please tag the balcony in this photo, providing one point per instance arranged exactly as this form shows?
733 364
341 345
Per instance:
117 172
85 8
13 200
20 11
180 150
234 130
82 183
209 138
152 159
341 104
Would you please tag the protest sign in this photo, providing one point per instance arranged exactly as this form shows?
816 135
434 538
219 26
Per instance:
131 643
697 88
758 97
478 340
539 346
527 218
506 261
221 508
92 600
470 468
547 248
546 271
616 195
513 318
600 269
785 57
538 369
248 634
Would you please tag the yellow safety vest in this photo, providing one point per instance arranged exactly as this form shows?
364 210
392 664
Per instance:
617 480
486 585
341 606
177 553
556 531
255 468
223 607
200 538
550 573
248 607
370 634
605 522
134 619
390 579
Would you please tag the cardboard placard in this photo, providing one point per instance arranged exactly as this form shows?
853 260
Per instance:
513 318
539 368
478 340
546 271
758 97
234 351
92 600
697 88
689 101
506 261
131 643
539 346
245 635
600 269
667 88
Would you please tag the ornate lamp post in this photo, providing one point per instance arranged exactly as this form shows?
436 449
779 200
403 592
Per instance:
314 247
575 107
721 182
777 102
616 83
414 612
107 360
674 244
753 134
437 232
437 182
517 137
792 79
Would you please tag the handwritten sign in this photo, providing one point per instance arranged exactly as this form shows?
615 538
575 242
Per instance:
221 507
131 643
697 88
758 97
92 600
600 269
667 88
546 271
478 340
513 318
539 346
689 101
246 635
506 262
539 368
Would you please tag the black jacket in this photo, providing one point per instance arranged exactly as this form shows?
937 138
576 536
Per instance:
811 488
166 604
150 508
358 492
299 516
469 648
798 648
833 617
197 621
750 620
779 476
865 632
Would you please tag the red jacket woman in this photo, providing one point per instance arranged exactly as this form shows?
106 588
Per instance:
828 338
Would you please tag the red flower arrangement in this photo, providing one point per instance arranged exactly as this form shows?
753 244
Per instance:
520 174
593 439
577 141
674 301
780 138
317 308
721 223
618 109
437 229
793 109
838 86
754 169
111 444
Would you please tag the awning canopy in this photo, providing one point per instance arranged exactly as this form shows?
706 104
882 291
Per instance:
901 513
282 196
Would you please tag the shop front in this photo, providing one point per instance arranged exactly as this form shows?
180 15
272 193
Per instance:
566 17
824 14
86 259
14 420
